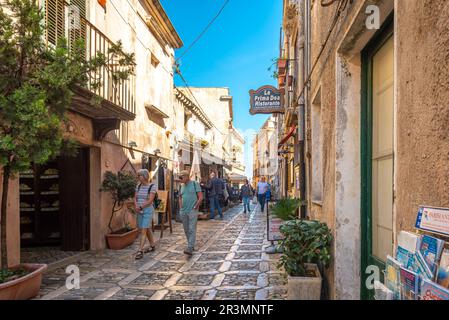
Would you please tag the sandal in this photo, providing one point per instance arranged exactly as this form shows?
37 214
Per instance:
149 249
139 255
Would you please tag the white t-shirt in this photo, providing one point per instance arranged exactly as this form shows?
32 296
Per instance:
262 187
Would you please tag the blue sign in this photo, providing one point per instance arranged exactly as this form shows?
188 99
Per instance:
433 219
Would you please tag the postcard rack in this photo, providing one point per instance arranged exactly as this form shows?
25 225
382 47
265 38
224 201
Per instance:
433 222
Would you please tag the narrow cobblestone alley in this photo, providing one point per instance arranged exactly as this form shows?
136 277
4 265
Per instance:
230 263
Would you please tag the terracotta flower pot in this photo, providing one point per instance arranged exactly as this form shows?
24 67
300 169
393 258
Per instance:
305 288
281 81
118 241
282 64
25 287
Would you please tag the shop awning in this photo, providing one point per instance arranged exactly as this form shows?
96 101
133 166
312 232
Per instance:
152 109
290 133
209 158
236 177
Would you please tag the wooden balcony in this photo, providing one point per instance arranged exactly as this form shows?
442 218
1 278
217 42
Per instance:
117 97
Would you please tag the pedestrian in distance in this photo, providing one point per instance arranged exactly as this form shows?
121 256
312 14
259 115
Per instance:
215 187
246 192
190 199
143 204
262 189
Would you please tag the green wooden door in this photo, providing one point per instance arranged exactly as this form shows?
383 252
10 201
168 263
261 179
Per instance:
377 151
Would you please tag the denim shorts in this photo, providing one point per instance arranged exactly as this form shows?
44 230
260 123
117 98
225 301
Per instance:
144 218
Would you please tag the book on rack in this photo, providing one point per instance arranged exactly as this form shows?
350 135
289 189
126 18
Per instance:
409 241
433 291
431 248
409 256
393 277
443 269
409 284
405 257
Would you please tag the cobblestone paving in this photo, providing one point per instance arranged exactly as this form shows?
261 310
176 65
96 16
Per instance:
46 255
229 263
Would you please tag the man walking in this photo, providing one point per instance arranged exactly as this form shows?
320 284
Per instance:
246 192
189 202
262 189
215 187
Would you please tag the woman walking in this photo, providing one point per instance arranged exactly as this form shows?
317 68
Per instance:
262 189
143 202
246 193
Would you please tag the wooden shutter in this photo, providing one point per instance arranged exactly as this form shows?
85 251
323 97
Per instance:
57 24
55 20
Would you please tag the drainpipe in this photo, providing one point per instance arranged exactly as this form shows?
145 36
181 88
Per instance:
301 112
305 107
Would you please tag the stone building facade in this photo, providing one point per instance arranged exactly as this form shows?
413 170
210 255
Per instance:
236 146
131 129
216 104
374 115
265 156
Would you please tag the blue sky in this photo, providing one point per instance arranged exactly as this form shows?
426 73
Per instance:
235 52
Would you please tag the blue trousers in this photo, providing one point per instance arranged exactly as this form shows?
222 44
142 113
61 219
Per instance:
262 198
215 203
246 202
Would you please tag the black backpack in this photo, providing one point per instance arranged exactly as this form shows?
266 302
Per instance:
156 201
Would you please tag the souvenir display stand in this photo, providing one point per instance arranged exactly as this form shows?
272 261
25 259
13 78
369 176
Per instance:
420 268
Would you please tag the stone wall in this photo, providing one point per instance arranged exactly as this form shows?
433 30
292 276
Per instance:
421 117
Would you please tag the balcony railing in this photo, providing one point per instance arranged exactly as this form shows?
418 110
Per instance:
68 21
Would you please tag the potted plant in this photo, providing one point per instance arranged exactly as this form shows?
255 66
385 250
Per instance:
21 282
282 65
121 187
281 81
204 143
285 209
306 245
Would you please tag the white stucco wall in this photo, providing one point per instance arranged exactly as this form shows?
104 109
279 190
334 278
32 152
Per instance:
347 193
217 109
154 84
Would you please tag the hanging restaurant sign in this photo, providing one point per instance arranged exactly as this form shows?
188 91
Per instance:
266 99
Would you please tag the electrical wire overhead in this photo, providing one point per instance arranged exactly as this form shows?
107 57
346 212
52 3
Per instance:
204 30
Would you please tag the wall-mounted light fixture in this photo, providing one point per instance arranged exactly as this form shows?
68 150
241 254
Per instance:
132 144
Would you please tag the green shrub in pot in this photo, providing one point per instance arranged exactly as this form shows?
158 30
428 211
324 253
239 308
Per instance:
285 209
305 241
122 187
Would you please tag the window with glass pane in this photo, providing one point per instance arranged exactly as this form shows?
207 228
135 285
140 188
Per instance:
382 151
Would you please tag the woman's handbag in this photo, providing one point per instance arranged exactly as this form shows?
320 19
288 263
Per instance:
255 200
225 194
